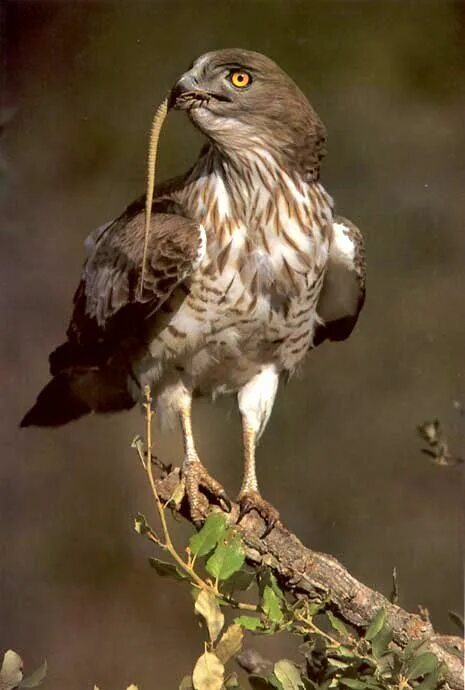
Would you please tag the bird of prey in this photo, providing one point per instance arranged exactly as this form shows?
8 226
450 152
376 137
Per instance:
248 268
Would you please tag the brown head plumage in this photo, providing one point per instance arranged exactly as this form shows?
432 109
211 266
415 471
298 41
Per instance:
239 97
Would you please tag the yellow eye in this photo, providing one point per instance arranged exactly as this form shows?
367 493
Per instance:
240 79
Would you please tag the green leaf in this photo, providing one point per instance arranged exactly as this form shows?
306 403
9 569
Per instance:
337 624
177 495
430 682
206 604
140 524
338 663
208 673
288 675
421 665
260 682
271 605
165 569
414 648
228 557
240 581
232 682
35 678
274 682
376 624
230 643
380 643
249 622
309 684
267 579
353 683
208 537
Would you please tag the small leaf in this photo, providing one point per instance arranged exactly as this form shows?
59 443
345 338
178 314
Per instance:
230 643
208 537
240 581
11 673
353 683
376 625
165 569
35 678
338 663
274 682
260 682
309 684
132 687
271 605
414 648
421 665
430 682
337 624
249 622
232 682
140 524
208 673
206 604
177 495
186 683
268 579
380 643
228 557
288 675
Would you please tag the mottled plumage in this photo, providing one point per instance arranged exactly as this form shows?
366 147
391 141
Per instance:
248 269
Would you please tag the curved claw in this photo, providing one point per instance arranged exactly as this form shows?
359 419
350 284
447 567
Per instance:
196 476
226 501
251 500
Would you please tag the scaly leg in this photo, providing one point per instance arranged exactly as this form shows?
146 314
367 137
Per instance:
255 403
194 473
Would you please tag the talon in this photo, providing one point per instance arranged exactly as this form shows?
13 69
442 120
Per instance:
269 528
196 476
226 500
245 506
251 500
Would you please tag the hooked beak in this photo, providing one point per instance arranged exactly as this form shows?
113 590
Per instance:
186 94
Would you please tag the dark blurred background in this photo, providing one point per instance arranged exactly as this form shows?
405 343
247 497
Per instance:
340 458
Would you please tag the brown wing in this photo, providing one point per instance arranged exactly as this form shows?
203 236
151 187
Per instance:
111 321
343 294
109 310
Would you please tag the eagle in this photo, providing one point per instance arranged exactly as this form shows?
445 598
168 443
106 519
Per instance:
247 269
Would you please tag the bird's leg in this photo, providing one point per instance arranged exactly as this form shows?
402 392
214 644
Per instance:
249 496
194 473
255 403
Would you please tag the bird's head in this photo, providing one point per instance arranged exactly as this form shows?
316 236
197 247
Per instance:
242 100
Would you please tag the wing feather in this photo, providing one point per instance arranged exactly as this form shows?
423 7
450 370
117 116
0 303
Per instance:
343 294
109 312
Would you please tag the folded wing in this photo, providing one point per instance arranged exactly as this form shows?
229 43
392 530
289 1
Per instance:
343 293
112 317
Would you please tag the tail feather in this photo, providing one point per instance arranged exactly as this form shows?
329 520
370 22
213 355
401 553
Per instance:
73 394
56 404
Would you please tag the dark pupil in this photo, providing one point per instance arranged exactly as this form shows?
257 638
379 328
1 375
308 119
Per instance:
240 77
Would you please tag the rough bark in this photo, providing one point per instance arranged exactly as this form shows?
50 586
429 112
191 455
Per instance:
310 573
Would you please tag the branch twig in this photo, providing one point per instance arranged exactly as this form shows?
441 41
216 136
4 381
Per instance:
311 573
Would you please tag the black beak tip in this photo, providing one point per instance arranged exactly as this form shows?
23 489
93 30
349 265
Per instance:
173 96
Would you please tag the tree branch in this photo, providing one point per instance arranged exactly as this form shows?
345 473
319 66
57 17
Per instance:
305 572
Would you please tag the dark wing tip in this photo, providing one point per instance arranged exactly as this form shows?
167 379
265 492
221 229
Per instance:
55 405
